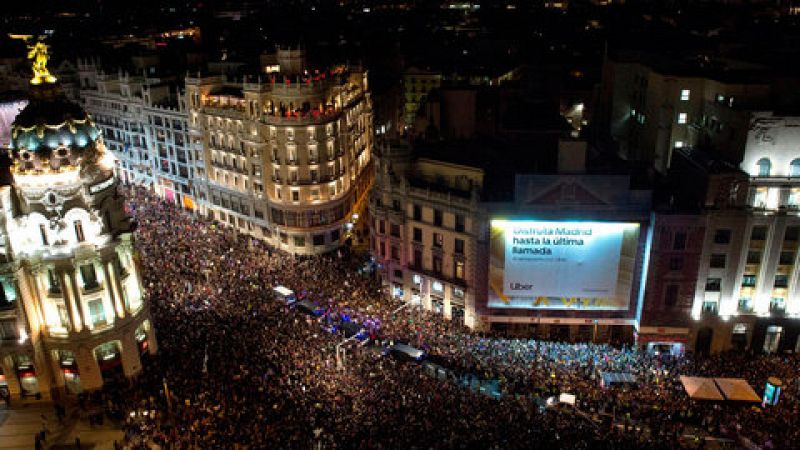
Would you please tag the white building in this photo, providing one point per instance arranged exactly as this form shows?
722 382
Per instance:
749 279
144 122
72 313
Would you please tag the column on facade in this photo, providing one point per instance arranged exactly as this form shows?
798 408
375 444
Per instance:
44 373
108 301
131 363
32 302
55 368
111 289
88 369
70 303
793 294
448 311
152 344
425 292
116 280
78 297
10 371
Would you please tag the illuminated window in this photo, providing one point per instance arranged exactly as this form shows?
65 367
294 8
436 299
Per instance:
794 168
459 270
764 167
79 231
89 276
678 144
682 118
685 93
97 312
43 233
52 280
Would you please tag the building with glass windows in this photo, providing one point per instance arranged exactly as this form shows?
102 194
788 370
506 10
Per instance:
287 156
748 282
72 313
144 123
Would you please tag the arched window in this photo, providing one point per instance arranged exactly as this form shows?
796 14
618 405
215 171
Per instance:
764 167
794 168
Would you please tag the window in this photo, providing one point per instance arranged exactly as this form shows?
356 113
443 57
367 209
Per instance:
759 233
781 281
381 227
335 236
295 196
676 263
120 269
396 205
745 305
97 313
794 168
437 264
417 212
79 231
458 269
318 239
299 241
460 226
417 235
753 257
5 301
777 304
713 284
722 236
394 230
395 253
764 167
437 287
438 240
284 238
786 259
718 261
43 233
679 241
417 258
671 295
685 93
458 248
682 118
748 280
678 144
8 330
437 217
792 233
89 276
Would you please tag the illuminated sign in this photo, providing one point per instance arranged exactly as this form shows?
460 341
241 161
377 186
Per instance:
561 265
101 186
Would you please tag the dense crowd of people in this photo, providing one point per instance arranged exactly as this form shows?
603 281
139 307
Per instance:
236 367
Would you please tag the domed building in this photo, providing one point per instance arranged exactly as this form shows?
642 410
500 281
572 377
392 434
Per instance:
72 314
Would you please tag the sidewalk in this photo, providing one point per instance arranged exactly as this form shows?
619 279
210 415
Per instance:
19 425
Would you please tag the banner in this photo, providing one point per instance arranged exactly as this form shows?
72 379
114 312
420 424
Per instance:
561 265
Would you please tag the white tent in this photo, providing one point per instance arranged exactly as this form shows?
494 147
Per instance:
699 388
737 389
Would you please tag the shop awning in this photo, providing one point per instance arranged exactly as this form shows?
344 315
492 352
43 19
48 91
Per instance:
699 388
737 389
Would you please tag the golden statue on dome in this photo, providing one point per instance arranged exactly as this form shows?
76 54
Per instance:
38 53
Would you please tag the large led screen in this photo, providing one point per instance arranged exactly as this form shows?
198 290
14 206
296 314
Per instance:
561 265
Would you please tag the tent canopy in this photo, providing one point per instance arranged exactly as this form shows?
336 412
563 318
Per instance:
699 388
737 389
